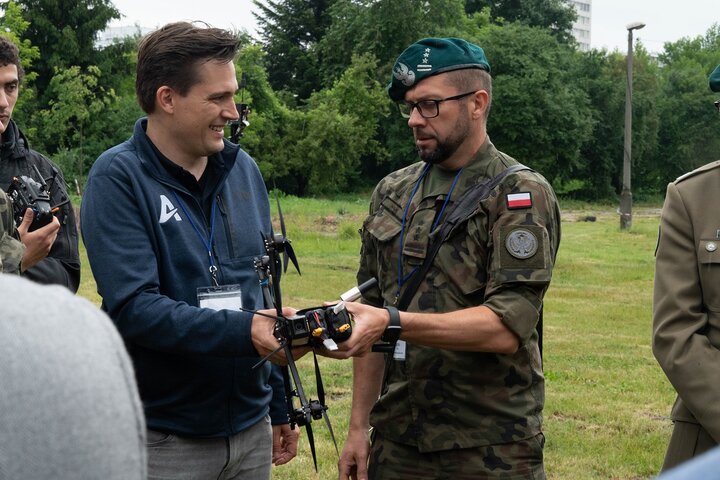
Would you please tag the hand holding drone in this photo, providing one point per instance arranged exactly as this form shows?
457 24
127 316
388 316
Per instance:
317 327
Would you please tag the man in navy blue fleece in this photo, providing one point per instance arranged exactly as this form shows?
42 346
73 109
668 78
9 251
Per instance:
171 219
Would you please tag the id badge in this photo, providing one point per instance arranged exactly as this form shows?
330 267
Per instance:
226 297
399 353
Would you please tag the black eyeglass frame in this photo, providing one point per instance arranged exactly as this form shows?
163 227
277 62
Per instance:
413 105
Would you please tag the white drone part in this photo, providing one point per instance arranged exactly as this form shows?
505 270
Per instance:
330 344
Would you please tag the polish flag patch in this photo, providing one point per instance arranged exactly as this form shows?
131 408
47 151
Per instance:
518 200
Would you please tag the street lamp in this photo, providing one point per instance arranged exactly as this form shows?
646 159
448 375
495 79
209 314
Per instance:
626 195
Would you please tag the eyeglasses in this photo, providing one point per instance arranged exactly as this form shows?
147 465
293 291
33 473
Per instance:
427 108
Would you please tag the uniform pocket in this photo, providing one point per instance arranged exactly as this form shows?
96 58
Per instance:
708 255
386 222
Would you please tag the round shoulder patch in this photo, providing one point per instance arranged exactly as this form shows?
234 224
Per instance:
521 243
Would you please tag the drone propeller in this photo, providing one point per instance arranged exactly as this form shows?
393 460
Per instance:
321 400
283 243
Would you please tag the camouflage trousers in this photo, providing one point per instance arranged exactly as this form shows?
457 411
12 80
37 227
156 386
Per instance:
521 460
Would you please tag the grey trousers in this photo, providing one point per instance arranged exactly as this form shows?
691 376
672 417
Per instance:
246 455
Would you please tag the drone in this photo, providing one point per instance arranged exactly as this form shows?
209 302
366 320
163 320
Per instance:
317 327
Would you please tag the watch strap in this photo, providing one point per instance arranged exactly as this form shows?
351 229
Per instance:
394 329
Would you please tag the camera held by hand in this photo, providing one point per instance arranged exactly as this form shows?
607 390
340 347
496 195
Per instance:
28 193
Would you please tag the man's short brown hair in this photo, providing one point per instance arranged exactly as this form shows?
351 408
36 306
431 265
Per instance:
170 56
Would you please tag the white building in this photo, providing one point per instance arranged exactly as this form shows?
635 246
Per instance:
582 26
111 34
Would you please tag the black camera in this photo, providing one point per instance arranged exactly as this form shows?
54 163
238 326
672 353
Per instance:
28 193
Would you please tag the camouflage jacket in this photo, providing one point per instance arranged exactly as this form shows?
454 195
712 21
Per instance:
501 257
11 250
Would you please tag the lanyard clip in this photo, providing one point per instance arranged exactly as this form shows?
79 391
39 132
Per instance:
212 269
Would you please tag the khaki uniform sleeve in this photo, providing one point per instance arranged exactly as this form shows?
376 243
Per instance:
524 245
681 317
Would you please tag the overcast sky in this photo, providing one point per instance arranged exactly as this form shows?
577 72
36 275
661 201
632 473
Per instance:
666 20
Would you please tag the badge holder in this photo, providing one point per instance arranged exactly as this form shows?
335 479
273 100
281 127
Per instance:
225 297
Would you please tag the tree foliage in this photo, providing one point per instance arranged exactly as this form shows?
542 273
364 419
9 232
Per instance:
81 103
318 149
600 75
321 121
79 114
535 92
688 133
291 31
64 31
384 28
557 16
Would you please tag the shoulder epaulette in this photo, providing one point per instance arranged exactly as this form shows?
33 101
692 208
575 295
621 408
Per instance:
704 168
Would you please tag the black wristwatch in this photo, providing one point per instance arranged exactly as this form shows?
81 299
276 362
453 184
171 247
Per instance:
393 331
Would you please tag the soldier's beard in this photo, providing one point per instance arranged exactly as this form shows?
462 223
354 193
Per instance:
447 148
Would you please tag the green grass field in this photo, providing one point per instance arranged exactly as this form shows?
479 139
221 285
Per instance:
607 401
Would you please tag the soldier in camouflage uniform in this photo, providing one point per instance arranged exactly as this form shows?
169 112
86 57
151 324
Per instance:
11 250
465 389
686 307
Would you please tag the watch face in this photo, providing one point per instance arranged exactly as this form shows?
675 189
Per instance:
391 334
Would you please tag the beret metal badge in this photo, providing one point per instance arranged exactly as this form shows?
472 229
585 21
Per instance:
404 74
521 243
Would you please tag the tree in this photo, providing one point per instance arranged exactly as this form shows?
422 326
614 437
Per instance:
291 30
687 135
601 76
341 128
384 28
76 123
539 114
64 31
117 63
556 15
317 149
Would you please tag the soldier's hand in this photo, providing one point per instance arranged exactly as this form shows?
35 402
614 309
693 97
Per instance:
368 326
38 242
354 457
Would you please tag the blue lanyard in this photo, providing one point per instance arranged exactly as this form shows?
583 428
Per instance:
207 243
400 279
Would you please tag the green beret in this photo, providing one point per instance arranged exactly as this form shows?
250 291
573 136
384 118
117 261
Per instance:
431 56
715 79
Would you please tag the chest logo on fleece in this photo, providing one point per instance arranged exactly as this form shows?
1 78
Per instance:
168 210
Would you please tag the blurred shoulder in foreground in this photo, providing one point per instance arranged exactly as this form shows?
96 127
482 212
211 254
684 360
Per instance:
69 406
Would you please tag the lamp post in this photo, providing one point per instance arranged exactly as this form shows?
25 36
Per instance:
626 195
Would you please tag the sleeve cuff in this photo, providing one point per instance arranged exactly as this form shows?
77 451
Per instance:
516 312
